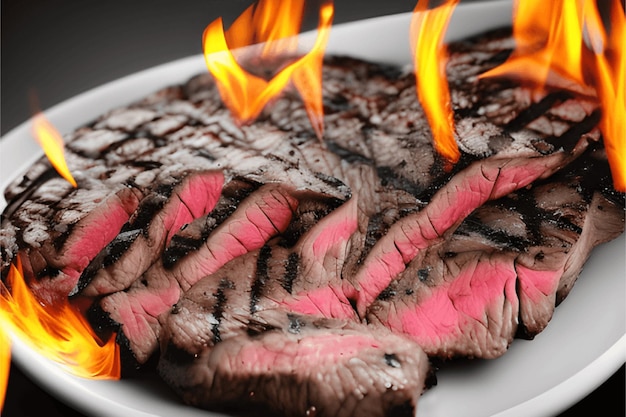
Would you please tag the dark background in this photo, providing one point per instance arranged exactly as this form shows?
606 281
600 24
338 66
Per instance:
55 49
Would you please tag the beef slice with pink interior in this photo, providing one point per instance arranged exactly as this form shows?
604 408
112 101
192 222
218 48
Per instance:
294 365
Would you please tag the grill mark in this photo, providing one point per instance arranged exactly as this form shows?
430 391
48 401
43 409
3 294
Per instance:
260 278
145 164
347 155
570 138
333 182
218 307
306 216
204 154
291 272
16 201
59 241
377 227
180 246
563 223
536 110
374 232
500 237
389 177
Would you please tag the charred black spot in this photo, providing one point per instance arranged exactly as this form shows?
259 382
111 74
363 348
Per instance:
60 240
501 238
295 323
204 154
498 58
307 215
179 247
392 360
431 378
130 366
423 273
30 185
148 208
333 182
48 271
255 328
99 319
386 294
233 194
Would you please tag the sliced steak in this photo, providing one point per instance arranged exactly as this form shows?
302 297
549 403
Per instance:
232 247
177 200
58 238
292 364
480 182
505 268
262 215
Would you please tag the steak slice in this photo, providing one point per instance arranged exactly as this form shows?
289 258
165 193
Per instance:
62 229
294 365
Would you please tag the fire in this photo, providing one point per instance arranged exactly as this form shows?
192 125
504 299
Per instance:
567 40
276 23
5 362
428 27
52 144
58 332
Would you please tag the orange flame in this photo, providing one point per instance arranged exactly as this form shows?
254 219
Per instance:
58 332
551 42
5 362
51 142
277 24
428 27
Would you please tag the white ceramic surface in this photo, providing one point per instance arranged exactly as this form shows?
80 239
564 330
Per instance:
582 346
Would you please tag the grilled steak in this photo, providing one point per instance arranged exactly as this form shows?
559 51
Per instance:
293 365
218 249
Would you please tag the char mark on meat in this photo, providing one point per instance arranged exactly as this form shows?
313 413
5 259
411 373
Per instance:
176 200
193 235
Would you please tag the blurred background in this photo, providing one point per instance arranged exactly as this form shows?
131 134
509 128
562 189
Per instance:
56 49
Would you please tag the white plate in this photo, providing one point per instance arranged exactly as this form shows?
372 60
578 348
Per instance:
582 346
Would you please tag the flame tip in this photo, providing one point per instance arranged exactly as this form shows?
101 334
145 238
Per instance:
246 94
